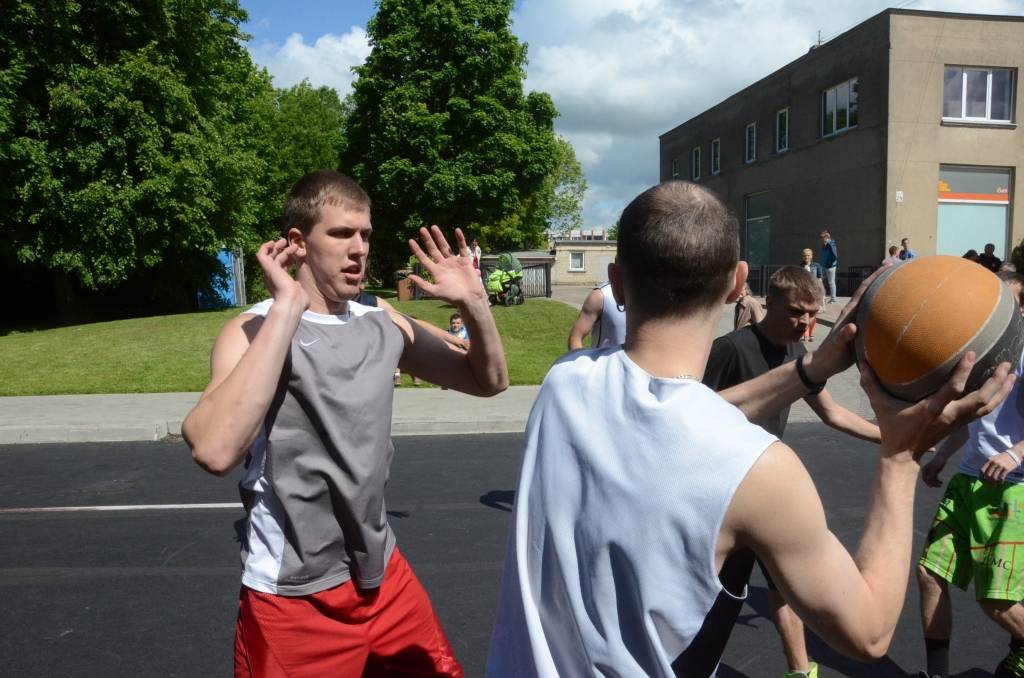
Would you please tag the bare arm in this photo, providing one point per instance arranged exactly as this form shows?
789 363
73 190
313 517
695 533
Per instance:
479 371
245 367
430 328
842 419
593 306
853 602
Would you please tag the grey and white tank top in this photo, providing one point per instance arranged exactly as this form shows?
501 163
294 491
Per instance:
314 482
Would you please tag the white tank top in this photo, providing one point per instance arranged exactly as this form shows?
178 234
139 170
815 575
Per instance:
610 329
610 568
997 432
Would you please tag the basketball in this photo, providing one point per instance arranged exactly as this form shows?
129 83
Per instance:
919 318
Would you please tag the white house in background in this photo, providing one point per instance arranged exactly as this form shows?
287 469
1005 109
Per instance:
582 258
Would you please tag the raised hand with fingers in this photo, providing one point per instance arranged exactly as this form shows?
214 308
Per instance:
275 258
454 278
915 427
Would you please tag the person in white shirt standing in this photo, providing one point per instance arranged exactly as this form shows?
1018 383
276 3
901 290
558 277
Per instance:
601 317
644 496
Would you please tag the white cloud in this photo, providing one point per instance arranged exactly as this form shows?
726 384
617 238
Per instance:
622 72
328 61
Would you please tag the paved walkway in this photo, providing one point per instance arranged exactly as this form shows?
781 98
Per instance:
145 416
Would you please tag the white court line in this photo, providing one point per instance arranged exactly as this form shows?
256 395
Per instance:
131 507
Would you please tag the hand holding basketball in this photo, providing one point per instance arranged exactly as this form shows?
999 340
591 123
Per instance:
914 427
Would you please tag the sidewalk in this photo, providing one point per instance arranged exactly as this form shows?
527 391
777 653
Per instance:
417 411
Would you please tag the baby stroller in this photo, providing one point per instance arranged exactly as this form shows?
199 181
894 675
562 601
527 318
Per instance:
505 283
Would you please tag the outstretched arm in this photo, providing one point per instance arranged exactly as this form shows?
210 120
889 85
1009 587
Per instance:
593 306
853 602
842 419
479 371
245 367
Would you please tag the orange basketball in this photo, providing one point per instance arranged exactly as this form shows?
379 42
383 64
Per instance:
918 319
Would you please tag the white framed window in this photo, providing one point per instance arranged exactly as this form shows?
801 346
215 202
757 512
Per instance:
576 261
782 130
840 107
674 170
978 94
716 156
695 163
750 143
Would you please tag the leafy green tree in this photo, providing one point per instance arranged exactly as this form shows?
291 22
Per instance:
129 141
441 130
565 188
303 129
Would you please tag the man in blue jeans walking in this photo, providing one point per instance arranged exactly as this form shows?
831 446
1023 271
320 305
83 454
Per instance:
829 262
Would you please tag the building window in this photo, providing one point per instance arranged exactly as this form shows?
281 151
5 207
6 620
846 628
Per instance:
978 94
675 168
750 143
716 156
695 163
840 107
974 209
782 130
576 261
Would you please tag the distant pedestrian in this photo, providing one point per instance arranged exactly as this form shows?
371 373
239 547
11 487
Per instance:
748 309
989 260
893 257
972 255
829 262
907 253
814 269
601 317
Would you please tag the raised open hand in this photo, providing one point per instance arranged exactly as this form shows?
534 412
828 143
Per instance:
454 278
275 258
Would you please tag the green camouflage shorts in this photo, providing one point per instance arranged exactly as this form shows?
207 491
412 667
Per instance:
977 533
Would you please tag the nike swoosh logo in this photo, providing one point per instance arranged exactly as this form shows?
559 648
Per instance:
307 345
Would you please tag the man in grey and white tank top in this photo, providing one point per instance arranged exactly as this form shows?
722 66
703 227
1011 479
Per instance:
301 390
601 318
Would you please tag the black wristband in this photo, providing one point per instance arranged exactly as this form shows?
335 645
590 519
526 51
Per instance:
814 389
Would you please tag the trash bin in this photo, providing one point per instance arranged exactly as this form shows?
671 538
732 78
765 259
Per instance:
404 285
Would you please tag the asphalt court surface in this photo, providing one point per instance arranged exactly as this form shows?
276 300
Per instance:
153 591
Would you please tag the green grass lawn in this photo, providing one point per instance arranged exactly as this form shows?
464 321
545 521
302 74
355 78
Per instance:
171 353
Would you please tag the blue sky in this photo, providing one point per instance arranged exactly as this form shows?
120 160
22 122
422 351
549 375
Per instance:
621 72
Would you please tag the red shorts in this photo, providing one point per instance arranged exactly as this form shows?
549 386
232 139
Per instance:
388 631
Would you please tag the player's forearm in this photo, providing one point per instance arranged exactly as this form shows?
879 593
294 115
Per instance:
853 424
883 556
486 355
768 394
227 418
575 340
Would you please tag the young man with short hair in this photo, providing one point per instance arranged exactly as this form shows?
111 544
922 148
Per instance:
644 496
989 260
793 301
300 389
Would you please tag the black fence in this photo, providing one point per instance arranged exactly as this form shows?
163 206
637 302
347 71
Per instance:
848 278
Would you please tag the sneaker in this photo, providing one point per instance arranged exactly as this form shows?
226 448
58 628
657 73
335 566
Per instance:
1012 665
811 672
